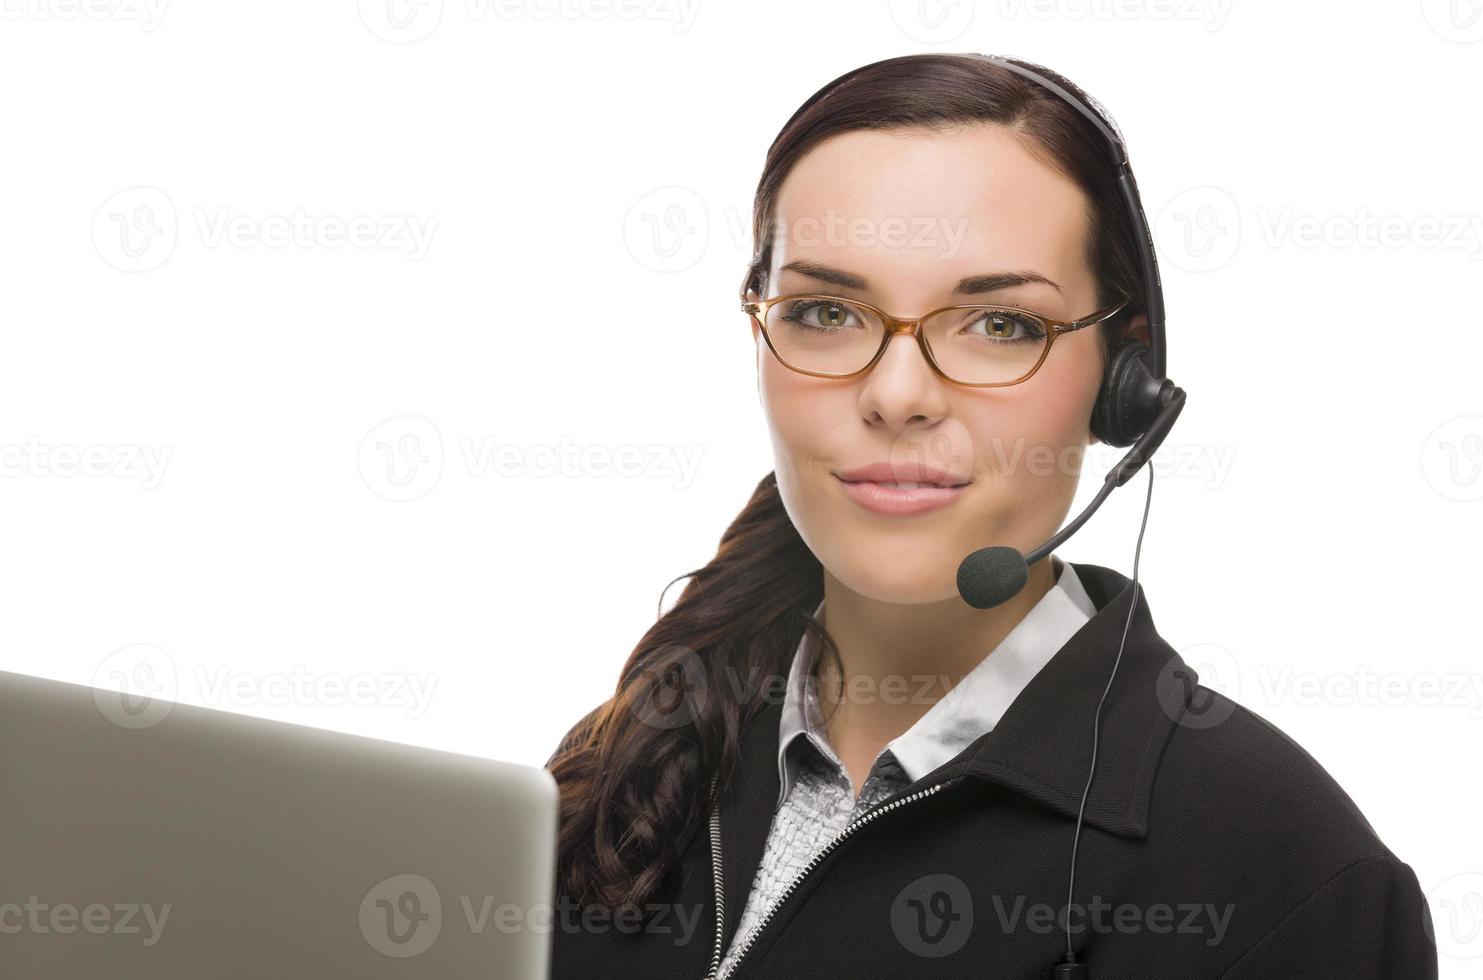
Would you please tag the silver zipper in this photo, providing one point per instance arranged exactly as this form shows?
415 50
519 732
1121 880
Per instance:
716 880
813 862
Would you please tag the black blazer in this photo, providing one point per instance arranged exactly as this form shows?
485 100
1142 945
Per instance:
1213 847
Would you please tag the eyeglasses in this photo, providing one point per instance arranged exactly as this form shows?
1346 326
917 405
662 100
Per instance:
976 345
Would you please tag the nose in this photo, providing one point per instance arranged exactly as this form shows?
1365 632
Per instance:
902 385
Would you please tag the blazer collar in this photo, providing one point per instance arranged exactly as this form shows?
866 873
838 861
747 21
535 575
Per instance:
1041 747
974 705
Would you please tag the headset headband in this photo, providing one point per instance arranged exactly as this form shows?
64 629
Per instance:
1148 262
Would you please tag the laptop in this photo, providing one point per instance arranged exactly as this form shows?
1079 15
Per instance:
141 838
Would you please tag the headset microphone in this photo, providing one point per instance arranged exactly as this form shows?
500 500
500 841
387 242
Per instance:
996 574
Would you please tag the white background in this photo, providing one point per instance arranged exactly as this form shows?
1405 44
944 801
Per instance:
233 456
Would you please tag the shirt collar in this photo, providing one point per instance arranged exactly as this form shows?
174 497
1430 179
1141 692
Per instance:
1041 749
970 709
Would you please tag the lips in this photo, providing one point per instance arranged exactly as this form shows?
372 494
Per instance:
902 489
907 475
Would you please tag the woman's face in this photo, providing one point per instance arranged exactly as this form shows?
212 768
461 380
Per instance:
906 215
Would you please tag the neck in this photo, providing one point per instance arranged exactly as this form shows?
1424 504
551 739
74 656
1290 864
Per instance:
899 660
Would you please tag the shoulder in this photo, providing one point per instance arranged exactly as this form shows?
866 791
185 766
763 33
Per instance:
1261 776
1276 832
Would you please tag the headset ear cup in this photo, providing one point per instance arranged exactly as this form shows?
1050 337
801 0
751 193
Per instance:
1120 414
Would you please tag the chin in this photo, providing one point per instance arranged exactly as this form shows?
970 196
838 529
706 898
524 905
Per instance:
885 578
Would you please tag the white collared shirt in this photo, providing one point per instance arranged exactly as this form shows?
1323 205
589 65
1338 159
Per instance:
816 798
973 706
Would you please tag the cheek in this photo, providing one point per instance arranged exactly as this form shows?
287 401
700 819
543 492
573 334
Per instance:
808 420
804 416
1040 429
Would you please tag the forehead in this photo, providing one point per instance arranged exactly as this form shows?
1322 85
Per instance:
931 206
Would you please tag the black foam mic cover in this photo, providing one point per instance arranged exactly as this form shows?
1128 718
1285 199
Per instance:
992 575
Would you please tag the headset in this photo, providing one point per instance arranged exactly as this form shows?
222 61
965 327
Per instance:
1136 405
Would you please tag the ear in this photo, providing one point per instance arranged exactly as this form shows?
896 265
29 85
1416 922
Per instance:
1137 329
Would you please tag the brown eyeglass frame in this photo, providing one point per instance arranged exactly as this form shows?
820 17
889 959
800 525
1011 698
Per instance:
912 325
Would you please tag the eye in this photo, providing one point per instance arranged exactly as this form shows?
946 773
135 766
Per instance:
1003 326
831 315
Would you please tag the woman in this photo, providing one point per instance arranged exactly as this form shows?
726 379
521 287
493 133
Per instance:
907 793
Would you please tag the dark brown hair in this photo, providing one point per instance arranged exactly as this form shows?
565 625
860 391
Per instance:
634 772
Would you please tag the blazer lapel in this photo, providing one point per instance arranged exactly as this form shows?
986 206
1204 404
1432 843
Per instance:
1041 747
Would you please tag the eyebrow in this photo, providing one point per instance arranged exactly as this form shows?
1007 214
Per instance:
968 285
